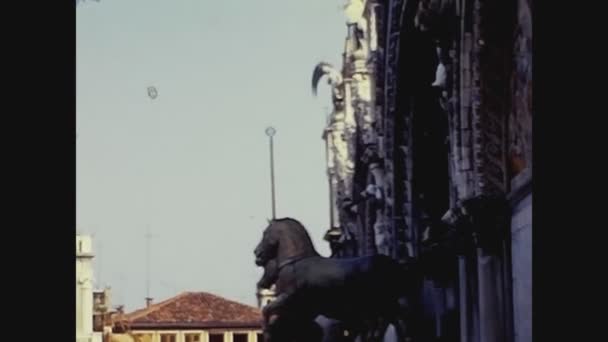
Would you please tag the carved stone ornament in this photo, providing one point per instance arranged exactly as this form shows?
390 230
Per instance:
483 220
83 280
354 11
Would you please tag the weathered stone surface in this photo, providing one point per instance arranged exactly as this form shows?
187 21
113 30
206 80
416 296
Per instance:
520 120
485 101
521 252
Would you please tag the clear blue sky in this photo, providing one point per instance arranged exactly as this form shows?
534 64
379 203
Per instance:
193 163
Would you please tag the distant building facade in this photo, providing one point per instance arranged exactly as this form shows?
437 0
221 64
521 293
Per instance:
265 296
102 312
191 317
84 291
430 157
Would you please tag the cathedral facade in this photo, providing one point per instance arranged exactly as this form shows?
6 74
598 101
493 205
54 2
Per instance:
429 154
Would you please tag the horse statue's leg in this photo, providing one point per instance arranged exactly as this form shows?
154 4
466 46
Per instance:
371 327
274 324
268 327
401 329
309 331
359 332
275 307
380 329
293 329
398 316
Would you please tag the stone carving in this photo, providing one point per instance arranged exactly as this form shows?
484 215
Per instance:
332 176
481 220
340 130
440 74
520 120
434 16
354 11
375 231
340 127
397 160
376 191
341 141
343 150
373 27
334 78
492 53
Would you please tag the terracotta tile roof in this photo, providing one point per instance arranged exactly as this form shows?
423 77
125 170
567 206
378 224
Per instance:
195 310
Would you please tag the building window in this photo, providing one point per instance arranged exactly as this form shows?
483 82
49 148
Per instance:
260 337
98 322
193 337
216 337
168 338
142 338
239 337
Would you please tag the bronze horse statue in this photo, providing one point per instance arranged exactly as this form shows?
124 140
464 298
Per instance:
366 293
333 331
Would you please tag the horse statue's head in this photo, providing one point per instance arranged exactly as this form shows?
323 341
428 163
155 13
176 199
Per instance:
284 239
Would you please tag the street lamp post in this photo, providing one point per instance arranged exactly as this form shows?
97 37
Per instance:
267 295
270 132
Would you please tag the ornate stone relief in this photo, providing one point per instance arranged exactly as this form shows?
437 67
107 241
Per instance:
481 220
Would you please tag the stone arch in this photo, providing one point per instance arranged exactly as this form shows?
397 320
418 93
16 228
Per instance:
416 131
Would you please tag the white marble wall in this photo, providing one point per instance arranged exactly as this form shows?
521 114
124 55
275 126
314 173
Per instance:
521 234
84 288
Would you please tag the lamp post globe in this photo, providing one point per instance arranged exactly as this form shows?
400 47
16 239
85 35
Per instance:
270 131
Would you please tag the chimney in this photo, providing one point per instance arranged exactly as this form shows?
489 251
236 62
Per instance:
148 301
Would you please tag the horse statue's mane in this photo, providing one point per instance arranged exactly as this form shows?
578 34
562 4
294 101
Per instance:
297 230
289 220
